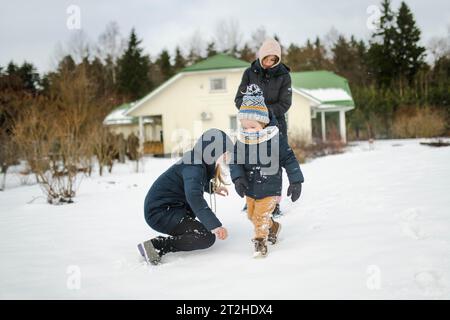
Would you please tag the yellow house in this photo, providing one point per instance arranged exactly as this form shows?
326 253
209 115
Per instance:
201 96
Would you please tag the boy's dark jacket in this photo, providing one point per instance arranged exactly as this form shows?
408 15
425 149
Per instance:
179 190
262 185
276 85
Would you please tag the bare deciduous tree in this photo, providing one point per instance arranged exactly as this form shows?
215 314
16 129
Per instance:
257 38
111 46
79 46
228 36
196 47
330 40
439 46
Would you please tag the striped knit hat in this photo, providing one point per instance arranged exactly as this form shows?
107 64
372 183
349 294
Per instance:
253 106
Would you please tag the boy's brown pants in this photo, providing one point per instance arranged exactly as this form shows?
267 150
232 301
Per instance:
259 211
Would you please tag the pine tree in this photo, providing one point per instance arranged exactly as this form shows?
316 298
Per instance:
30 77
409 56
21 78
11 68
164 65
211 49
293 57
12 80
133 76
246 53
66 64
233 51
100 74
348 59
381 57
440 84
180 61
343 57
360 71
193 57
320 60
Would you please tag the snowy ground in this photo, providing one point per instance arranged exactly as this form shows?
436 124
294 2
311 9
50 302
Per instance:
370 224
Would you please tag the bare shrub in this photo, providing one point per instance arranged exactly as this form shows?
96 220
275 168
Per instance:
55 133
8 157
133 149
105 147
10 106
305 150
298 143
419 123
38 143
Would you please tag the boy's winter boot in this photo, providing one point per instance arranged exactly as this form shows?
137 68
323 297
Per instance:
274 231
260 248
276 212
148 251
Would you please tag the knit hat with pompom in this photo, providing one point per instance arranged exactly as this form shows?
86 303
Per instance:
253 106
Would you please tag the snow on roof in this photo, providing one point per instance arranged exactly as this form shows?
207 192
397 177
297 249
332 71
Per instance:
323 86
117 116
218 61
328 94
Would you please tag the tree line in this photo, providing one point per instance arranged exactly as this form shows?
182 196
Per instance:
397 91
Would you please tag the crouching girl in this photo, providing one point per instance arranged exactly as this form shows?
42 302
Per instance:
175 206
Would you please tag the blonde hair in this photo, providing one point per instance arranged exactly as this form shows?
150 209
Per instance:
218 180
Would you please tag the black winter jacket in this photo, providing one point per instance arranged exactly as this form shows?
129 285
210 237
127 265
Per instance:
276 86
183 185
262 181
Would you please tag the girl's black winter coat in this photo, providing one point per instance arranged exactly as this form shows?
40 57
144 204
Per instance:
179 190
263 182
276 86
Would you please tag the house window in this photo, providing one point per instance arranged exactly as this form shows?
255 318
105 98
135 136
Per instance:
233 123
217 84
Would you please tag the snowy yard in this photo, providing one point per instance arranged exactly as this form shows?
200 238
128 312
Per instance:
370 224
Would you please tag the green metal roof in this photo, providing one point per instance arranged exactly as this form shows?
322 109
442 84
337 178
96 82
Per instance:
318 79
314 81
219 61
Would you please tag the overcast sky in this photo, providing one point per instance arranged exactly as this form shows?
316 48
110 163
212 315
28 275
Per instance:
32 30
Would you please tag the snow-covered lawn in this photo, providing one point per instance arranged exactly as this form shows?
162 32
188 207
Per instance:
370 224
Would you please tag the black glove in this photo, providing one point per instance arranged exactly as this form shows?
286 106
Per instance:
295 189
241 184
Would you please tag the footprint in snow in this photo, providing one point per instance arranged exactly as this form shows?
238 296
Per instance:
409 225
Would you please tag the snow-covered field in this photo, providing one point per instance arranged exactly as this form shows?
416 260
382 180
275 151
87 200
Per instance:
371 224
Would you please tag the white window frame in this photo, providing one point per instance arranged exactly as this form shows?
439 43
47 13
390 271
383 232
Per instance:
211 79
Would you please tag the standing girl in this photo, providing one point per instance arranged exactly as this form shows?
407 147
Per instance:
273 78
